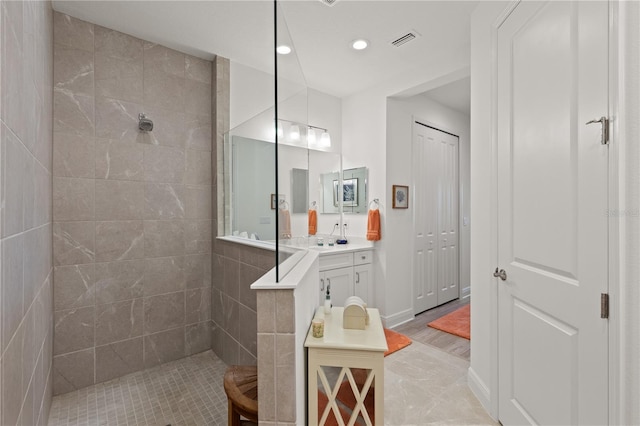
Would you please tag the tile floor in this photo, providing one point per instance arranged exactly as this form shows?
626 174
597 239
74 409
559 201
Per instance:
184 392
424 385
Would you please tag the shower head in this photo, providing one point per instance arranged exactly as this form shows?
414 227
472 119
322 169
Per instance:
144 124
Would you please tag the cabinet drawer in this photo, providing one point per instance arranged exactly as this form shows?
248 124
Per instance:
362 257
333 261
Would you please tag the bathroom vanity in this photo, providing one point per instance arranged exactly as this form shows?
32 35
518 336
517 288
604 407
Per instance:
348 272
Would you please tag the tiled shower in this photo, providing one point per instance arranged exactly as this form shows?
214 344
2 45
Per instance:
109 262
131 209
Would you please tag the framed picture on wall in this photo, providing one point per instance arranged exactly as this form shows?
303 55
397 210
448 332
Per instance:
400 197
349 192
275 200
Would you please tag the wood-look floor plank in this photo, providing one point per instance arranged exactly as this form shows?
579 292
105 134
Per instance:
418 330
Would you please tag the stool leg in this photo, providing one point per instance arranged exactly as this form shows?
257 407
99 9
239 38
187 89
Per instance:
232 415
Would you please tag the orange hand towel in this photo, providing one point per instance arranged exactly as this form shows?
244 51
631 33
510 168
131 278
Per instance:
313 222
373 225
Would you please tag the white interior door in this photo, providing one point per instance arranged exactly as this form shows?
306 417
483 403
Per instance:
552 226
435 258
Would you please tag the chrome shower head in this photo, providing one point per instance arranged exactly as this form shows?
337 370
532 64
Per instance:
144 124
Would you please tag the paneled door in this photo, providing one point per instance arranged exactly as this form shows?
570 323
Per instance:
552 78
435 256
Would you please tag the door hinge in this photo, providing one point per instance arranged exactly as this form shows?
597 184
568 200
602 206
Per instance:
604 305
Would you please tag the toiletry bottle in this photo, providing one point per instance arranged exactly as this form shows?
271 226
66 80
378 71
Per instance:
327 302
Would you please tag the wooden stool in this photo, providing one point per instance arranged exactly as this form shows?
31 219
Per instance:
241 387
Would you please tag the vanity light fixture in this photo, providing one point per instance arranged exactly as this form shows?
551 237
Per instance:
311 137
283 49
359 44
294 133
325 140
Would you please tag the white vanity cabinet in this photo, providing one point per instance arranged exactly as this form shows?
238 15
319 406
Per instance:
348 274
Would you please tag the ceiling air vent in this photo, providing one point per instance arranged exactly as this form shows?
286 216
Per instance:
329 2
405 39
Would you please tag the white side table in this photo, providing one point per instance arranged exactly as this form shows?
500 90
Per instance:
346 349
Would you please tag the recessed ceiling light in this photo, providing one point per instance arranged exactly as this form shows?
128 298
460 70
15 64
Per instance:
283 49
360 44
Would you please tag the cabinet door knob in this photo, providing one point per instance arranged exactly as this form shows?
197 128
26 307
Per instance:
322 282
357 277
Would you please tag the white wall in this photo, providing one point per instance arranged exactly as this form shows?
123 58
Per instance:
627 302
483 244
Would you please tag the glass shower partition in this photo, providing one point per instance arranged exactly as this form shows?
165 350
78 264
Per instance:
266 162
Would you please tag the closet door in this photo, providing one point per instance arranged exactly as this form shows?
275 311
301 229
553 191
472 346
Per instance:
435 256
447 217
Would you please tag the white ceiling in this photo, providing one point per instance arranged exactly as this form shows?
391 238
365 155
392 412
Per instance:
243 32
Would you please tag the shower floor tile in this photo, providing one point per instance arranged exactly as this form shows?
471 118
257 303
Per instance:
185 392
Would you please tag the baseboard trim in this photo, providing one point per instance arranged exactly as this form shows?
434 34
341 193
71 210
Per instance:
466 292
397 319
479 389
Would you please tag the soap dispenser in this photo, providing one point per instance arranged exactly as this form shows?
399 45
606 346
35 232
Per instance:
327 301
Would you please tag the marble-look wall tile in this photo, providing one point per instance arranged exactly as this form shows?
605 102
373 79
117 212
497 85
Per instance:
116 281
164 275
197 236
164 347
231 319
73 156
198 69
121 240
158 58
249 275
231 278
198 271
73 113
198 168
247 330
266 311
169 128
74 330
12 289
217 307
197 338
43 204
163 238
163 164
119 200
123 160
118 321
198 306
117 119
72 32
12 386
285 312
164 91
74 286
12 103
119 358
164 201
198 132
267 376
13 161
73 371
230 349
73 199
285 388
73 70
117 45
118 78
37 248
164 312
73 243
197 98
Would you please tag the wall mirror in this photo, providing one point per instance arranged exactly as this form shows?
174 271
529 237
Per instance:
353 191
